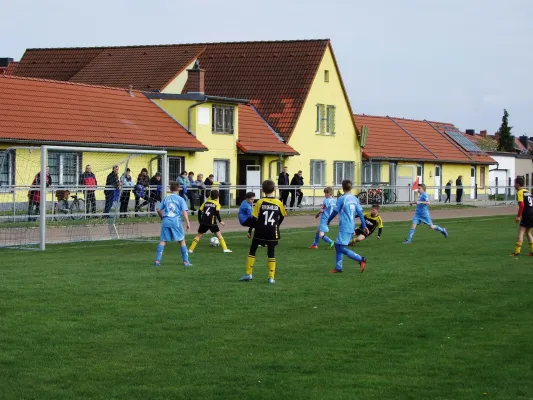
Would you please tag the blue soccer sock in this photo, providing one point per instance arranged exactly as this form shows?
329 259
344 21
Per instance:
411 233
327 239
338 258
184 254
159 252
351 254
439 229
317 239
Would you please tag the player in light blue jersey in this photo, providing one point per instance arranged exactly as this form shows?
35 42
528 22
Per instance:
347 208
328 205
171 210
422 215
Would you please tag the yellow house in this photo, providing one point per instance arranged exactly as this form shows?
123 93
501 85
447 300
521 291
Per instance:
399 151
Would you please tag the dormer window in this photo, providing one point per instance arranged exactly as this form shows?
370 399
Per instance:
223 119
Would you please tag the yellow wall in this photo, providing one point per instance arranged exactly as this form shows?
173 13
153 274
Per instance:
177 85
343 146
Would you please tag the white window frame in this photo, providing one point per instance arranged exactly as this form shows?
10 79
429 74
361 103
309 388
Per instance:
313 179
348 171
59 178
371 169
320 110
330 120
421 166
215 170
228 119
7 158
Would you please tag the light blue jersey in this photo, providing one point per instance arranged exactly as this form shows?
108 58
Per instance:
328 205
172 206
347 208
422 210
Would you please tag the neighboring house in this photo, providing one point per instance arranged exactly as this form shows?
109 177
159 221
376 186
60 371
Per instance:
398 151
7 66
37 112
295 86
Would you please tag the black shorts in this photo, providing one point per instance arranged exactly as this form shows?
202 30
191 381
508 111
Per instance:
359 231
249 222
204 228
526 222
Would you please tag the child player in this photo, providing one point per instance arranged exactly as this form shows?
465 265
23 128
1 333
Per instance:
328 205
208 215
524 216
422 215
268 214
245 212
171 210
373 220
347 208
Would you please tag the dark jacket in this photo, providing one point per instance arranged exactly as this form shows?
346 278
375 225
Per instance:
297 180
459 184
448 188
208 183
112 181
283 179
155 190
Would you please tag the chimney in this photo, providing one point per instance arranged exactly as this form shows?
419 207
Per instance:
470 132
196 83
4 62
483 133
524 141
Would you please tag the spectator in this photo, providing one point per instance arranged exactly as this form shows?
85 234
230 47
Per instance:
193 194
155 190
283 180
209 181
88 179
127 187
184 184
112 189
459 187
200 184
297 180
34 196
448 191
141 189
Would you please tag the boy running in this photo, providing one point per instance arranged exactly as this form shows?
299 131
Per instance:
268 214
347 208
208 215
373 221
524 216
171 210
328 205
245 212
422 215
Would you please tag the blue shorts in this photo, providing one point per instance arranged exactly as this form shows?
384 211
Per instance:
422 219
323 227
172 234
344 238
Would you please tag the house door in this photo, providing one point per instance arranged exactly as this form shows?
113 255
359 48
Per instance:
438 182
473 182
253 179
243 177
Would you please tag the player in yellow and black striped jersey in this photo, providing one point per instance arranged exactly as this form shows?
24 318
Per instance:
524 216
208 215
267 215
373 220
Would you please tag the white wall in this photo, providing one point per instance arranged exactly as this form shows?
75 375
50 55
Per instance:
506 170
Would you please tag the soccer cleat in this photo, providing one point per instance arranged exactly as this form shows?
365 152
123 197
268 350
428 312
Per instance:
157 264
187 264
246 278
407 242
332 244
227 251
362 263
335 271
271 280
445 232
191 251
530 254
313 247
515 254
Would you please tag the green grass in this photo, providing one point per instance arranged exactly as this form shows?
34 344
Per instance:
438 319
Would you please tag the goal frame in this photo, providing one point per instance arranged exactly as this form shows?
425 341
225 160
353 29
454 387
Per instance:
44 161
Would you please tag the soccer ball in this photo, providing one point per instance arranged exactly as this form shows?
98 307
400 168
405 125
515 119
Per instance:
214 242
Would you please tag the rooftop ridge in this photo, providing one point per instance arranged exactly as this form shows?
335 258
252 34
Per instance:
24 78
402 118
179 44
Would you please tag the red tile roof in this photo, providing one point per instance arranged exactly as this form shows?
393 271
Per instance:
9 69
276 75
49 111
257 137
404 139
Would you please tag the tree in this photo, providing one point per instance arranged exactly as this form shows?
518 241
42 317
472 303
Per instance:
505 139
487 144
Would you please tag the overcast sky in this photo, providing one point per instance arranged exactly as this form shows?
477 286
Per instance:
458 61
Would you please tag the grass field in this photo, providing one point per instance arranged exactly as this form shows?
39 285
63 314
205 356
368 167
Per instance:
438 319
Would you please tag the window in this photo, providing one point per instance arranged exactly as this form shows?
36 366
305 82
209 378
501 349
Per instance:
320 110
175 166
420 172
326 75
65 168
222 119
221 171
482 177
330 120
342 170
277 170
371 173
7 168
317 172
392 173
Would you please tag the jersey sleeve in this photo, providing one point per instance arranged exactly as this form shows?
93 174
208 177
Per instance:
380 223
217 206
257 208
202 206
282 209
340 204
183 204
520 196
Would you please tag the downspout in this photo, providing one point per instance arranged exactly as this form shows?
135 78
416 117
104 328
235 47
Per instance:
272 162
189 114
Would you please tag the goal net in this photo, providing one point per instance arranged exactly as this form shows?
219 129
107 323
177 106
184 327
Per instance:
58 194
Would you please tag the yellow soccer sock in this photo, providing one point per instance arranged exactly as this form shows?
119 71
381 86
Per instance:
223 243
531 247
271 268
518 247
250 261
193 244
